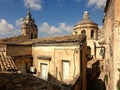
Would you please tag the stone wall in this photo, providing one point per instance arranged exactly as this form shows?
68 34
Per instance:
23 63
54 55
18 50
57 54
112 42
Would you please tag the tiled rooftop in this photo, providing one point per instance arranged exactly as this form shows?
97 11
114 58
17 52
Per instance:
16 39
6 63
57 39
16 81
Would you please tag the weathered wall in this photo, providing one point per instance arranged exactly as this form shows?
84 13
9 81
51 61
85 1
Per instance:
18 50
57 54
112 38
2 46
23 63
116 41
108 25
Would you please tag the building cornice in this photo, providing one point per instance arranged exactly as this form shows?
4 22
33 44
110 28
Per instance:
85 27
60 41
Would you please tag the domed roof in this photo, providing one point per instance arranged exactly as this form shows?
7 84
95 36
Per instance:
86 19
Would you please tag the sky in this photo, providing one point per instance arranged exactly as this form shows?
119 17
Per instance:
53 17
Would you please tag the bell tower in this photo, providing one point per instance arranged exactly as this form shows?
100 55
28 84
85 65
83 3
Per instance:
29 27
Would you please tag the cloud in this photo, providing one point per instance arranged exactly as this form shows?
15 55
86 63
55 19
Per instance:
97 3
19 22
46 28
50 30
34 4
64 27
6 29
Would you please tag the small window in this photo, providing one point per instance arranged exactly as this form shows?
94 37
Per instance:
83 32
92 34
66 69
75 32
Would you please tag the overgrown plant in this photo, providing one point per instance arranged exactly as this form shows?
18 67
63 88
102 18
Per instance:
106 78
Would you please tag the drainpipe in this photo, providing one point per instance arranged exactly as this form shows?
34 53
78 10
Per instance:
95 49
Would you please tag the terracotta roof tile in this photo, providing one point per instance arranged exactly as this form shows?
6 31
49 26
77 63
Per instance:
16 39
7 63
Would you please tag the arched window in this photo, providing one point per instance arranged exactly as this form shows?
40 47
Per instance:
92 34
83 32
75 32
31 35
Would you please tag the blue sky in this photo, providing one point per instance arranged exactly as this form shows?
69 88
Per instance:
53 17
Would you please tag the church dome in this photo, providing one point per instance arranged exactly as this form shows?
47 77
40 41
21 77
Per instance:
86 27
86 19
